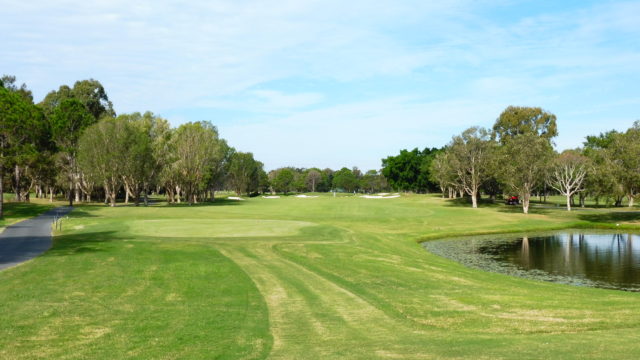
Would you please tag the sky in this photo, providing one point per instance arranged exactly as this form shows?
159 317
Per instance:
337 83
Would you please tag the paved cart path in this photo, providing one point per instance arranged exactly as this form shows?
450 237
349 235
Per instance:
29 238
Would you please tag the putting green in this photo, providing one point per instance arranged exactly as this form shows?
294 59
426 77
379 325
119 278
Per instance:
216 228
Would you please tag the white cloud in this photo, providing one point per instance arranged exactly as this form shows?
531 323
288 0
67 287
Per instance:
359 133
165 57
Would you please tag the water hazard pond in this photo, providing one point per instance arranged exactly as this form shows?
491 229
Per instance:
578 257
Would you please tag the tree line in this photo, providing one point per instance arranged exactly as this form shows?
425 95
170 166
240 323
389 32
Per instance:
73 143
289 179
517 157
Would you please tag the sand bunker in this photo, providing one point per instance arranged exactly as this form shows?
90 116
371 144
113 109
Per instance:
305 196
271 197
234 198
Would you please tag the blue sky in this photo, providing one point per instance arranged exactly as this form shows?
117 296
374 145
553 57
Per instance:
335 83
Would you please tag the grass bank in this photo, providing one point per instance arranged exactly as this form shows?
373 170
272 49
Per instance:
295 278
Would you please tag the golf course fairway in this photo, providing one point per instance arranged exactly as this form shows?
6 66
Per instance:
302 278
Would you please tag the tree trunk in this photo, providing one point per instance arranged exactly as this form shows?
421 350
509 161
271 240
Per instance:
16 180
136 197
77 191
525 202
568 202
630 200
170 195
51 194
70 193
474 199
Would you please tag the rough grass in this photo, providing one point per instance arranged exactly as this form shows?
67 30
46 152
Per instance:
295 278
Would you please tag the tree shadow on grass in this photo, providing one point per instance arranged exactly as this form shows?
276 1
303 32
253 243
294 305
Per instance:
517 209
217 202
23 210
609 217
82 212
74 244
466 202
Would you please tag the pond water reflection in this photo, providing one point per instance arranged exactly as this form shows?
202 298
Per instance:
608 260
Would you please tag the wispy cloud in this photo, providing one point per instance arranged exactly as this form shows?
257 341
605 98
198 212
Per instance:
350 73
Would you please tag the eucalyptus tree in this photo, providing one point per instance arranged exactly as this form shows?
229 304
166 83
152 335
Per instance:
282 180
25 136
523 164
264 184
442 173
604 178
21 125
158 131
312 179
522 120
164 152
89 92
197 148
470 157
219 167
625 152
69 119
103 154
244 173
9 82
568 172
142 167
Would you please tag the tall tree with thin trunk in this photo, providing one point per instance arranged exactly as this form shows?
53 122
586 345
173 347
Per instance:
568 173
68 122
102 154
471 154
312 179
443 174
244 173
523 120
523 163
22 135
625 152
196 146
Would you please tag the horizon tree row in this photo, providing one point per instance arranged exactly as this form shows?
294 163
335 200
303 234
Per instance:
289 179
517 156
73 142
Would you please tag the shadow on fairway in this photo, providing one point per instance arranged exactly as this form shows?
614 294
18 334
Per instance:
23 210
534 208
82 212
65 245
218 202
466 202
611 216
